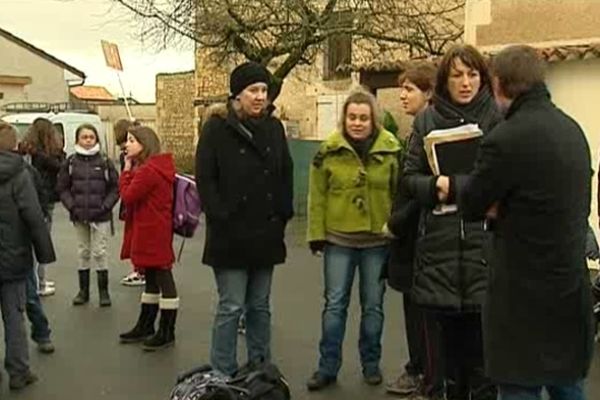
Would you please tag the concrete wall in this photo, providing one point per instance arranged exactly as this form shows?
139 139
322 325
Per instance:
491 23
575 87
48 80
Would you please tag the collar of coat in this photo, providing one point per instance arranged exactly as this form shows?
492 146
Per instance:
385 142
538 92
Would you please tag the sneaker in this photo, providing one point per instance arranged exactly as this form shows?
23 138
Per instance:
50 283
405 384
46 291
20 381
133 279
46 347
318 382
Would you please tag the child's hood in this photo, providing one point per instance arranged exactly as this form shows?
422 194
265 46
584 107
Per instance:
163 165
10 165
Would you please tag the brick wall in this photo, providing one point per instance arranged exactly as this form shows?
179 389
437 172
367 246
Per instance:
175 116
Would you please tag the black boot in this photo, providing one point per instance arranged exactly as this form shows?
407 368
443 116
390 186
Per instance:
84 288
165 336
103 288
145 323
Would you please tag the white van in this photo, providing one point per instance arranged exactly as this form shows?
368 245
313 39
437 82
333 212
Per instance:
66 124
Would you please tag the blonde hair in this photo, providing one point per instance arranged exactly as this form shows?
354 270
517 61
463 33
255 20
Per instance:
361 96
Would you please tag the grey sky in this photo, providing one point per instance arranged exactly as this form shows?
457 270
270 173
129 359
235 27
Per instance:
71 30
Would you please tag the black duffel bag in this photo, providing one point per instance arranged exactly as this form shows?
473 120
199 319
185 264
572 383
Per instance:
254 381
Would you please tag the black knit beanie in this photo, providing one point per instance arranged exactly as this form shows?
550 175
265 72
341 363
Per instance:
245 75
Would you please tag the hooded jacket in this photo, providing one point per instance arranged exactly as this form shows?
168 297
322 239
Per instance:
22 224
147 192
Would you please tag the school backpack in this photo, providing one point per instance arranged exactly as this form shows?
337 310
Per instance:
186 208
255 381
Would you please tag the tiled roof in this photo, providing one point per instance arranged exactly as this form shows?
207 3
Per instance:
41 53
551 54
92 93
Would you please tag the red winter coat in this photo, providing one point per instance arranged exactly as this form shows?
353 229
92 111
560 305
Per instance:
147 193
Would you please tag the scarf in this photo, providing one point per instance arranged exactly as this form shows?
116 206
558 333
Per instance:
91 152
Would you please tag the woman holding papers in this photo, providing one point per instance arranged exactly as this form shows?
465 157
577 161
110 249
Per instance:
352 183
450 271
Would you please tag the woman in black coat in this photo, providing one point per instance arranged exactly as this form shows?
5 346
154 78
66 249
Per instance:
244 178
450 273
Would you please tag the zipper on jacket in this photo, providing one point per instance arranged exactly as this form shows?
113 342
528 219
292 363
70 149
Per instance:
461 269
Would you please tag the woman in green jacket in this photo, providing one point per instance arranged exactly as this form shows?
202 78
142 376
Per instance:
352 183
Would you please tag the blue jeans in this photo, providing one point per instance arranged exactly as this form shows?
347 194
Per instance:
562 392
241 291
40 329
339 269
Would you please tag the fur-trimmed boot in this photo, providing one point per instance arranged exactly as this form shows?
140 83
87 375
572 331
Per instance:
165 336
144 327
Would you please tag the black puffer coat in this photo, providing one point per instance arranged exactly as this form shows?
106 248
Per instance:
88 187
22 224
450 272
246 187
48 167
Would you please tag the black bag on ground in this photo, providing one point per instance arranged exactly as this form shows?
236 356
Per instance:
260 381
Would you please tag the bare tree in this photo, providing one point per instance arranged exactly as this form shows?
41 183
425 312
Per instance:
286 33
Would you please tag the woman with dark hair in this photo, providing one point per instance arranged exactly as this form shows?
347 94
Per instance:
146 188
42 146
88 185
450 272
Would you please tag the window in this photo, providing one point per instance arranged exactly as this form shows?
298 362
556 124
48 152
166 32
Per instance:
338 49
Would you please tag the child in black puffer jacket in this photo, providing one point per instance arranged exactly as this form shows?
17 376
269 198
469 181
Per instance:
88 188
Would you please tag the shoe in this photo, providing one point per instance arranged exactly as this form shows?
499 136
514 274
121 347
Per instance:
373 379
103 288
165 336
46 347
405 384
46 291
134 279
319 381
50 283
18 382
83 296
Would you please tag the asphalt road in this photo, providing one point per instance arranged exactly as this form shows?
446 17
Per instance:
90 364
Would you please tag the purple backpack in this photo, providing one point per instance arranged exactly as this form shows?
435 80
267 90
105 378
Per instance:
186 206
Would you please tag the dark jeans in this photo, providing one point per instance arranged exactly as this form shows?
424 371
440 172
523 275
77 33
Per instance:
556 392
423 337
463 353
40 328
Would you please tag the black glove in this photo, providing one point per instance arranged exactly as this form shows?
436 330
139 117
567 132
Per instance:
317 246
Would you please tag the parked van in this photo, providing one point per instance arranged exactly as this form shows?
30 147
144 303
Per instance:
66 124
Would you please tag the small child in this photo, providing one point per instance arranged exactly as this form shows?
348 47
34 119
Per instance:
22 228
134 278
146 188
88 188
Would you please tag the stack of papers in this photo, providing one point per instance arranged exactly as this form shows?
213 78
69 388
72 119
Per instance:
453 151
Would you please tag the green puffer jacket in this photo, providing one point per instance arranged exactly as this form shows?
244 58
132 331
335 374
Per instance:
347 195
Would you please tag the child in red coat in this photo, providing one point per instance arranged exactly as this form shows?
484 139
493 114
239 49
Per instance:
146 188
